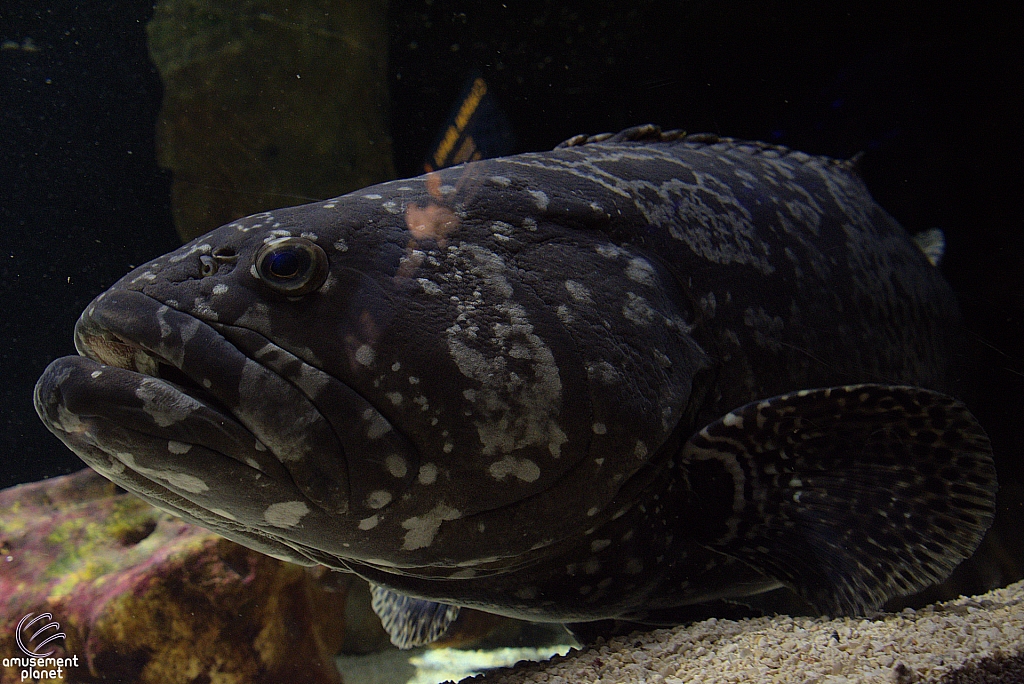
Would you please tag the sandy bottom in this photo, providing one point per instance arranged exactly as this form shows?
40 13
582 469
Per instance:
976 639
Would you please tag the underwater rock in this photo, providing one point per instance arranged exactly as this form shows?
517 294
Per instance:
267 105
967 641
145 597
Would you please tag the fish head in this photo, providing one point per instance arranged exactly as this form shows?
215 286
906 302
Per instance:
405 376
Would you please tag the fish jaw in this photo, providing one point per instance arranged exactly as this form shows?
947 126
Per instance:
96 411
165 405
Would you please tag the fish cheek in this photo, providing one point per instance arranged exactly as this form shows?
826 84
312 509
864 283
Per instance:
629 324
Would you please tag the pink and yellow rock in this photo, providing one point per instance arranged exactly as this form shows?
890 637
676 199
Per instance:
145 597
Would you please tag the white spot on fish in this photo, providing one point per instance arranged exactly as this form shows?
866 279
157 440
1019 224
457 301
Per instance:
663 360
183 481
429 286
501 230
95 374
500 181
286 514
558 438
423 528
378 424
637 310
203 309
341 245
396 465
395 398
640 271
604 372
563 314
599 545
369 523
365 354
165 404
220 288
578 291
540 197
378 499
592 511
372 196
396 366
599 428
427 474
530 224
732 420
178 447
522 468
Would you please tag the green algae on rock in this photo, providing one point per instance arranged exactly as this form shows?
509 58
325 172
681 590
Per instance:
267 106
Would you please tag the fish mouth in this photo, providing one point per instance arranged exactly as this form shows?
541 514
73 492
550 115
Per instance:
156 402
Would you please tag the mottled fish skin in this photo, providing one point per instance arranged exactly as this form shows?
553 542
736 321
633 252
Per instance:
487 386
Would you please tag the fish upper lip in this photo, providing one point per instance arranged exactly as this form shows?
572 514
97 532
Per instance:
101 335
133 331
101 343
113 349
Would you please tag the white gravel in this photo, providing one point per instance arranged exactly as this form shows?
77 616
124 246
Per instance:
929 645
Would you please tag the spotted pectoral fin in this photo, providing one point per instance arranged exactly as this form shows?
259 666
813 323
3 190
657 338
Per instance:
849 495
411 622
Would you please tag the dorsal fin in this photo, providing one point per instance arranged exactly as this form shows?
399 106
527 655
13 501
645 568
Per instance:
650 133
643 133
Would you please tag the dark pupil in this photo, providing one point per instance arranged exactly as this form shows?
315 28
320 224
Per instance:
285 264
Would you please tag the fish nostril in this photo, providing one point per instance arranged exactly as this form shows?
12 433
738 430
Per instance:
225 255
208 266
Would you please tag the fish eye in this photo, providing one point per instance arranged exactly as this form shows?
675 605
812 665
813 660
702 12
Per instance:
291 266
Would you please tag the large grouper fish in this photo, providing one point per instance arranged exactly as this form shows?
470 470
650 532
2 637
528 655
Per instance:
636 375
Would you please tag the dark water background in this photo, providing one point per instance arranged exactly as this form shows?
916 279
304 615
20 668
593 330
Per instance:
931 93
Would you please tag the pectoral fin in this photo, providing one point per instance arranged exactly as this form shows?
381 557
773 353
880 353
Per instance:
849 495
